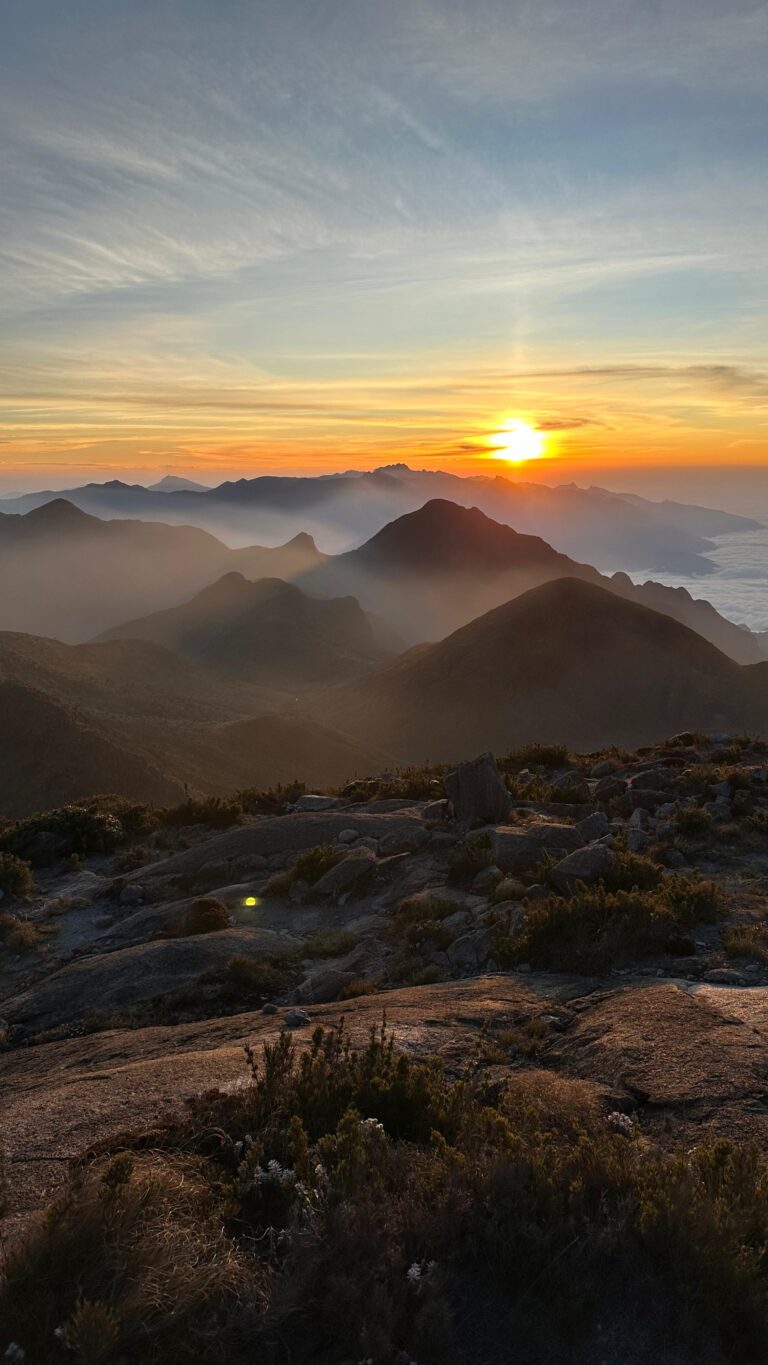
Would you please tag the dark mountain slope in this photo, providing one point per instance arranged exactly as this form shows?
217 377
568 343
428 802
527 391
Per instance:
268 632
568 662
434 570
131 718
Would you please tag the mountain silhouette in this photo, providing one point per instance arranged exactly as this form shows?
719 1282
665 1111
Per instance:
568 661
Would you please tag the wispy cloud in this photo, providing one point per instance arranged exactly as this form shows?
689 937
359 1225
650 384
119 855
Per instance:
279 221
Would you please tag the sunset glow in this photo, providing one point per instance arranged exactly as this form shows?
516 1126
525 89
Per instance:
227 284
517 443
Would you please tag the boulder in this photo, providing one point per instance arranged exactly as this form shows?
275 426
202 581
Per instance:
313 802
476 791
470 952
435 810
517 849
323 984
609 787
595 826
585 865
351 872
574 784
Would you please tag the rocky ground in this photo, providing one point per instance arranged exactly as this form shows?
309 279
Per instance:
601 919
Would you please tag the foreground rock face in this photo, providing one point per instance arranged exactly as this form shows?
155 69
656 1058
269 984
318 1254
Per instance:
692 1055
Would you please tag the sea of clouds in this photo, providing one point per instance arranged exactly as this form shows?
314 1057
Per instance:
739 586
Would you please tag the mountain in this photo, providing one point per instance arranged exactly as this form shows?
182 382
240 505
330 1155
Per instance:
702 521
172 483
434 570
74 575
568 662
128 717
268 632
610 530
50 755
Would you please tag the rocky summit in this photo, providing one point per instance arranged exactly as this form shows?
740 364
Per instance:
522 966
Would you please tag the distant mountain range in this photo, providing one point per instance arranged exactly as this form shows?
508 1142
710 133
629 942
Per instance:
610 530
70 575
568 662
245 679
73 576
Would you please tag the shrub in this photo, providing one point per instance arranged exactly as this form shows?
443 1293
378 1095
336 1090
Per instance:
597 929
348 1204
469 858
273 801
417 783
535 756
15 875
206 916
747 940
630 872
329 943
215 812
18 935
309 866
694 823
75 829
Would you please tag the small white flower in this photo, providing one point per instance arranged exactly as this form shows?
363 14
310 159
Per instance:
621 1123
414 1273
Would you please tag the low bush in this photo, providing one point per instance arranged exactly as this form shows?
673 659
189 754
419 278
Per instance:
329 943
18 935
535 756
469 858
417 783
349 1205
72 829
206 916
746 941
215 812
597 928
15 876
310 865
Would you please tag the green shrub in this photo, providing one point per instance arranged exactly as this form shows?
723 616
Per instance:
76 829
597 929
351 1203
15 876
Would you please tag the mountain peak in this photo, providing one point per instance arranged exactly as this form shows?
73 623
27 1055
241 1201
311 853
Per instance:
59 512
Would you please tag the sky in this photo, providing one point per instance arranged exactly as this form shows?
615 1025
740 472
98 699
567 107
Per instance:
247 236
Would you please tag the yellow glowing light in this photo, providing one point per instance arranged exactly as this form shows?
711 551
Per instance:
517 442
250 901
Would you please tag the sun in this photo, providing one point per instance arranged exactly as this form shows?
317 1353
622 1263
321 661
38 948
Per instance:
517 442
